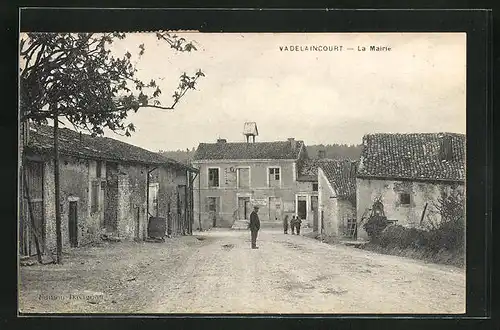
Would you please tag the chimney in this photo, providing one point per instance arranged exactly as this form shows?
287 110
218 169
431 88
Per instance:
321 153
445 147
221 140
293 143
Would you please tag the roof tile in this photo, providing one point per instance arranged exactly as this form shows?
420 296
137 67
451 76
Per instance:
243 150
342 176
413 156
71 143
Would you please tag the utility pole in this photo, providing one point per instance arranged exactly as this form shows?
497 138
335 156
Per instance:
57 189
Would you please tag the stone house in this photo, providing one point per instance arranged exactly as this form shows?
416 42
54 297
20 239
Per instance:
104 188
337 198
235 176
409 173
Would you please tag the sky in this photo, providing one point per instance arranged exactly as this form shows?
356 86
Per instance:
321 97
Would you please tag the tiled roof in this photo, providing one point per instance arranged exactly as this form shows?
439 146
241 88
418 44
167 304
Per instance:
243 150
308 169
342 176
413 156
41 140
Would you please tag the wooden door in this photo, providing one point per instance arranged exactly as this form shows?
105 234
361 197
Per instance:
34 188
73 224
302 208
111 198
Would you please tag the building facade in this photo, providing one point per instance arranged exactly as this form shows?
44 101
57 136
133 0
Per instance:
104 189
337 198
409 174
234 177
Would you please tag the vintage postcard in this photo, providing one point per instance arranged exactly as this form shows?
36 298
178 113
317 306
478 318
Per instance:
186 172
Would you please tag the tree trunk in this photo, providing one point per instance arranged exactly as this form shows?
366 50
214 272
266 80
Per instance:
57 190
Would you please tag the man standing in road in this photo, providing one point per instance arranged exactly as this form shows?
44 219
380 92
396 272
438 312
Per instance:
254 226
298 222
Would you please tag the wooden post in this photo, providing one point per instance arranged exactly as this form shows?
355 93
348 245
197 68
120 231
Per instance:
423 213
57 190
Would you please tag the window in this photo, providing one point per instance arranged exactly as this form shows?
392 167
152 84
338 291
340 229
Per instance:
404 198
213 177
274 177
94 197
243 177
315 187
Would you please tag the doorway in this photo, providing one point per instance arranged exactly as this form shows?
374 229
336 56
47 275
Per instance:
274 208
302 207
73 224
111 199
181 208
213 209
314 209
243 208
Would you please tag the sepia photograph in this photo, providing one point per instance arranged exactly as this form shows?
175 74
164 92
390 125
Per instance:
168 172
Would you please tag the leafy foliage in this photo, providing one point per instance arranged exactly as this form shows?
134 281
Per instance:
374 226
75 75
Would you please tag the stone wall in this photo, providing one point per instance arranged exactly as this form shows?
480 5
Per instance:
75 180
328 217
132 189
408 215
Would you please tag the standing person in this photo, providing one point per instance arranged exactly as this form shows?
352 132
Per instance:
298 221
292 225
254 226
285 224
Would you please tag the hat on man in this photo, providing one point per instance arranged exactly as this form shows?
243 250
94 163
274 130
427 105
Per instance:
256 207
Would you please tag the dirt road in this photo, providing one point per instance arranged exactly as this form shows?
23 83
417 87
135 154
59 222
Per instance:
217 272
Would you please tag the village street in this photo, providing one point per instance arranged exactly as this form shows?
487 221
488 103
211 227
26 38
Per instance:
217 272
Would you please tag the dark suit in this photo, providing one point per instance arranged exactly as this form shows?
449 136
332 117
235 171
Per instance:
254 227
297 225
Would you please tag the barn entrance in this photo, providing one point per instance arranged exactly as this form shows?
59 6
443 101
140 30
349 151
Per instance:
34 190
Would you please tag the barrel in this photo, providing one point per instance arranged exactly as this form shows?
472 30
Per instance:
157 227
